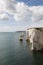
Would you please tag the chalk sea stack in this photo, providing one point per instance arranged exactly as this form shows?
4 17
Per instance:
36 38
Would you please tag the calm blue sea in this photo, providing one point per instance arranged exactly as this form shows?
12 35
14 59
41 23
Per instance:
14 52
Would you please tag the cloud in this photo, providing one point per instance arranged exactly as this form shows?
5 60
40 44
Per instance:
37 13
20 11
8 5
4 16
28 13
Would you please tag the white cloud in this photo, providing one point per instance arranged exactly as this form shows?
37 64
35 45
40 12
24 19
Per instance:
21 11
28 13
8 5
37 13
4 16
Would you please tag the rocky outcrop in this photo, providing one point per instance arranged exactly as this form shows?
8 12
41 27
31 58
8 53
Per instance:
36 38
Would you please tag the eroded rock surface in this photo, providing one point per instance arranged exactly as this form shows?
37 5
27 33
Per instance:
36 38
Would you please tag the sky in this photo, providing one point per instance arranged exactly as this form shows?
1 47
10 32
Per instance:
18 15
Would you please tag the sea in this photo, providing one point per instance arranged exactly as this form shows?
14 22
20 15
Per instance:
16 52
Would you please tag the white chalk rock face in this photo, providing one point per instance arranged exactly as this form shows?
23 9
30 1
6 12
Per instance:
36 38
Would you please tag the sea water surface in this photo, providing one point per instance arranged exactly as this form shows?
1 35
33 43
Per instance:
14 52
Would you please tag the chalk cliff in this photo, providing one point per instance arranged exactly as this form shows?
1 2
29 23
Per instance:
36 38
